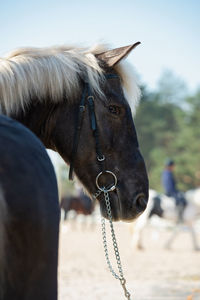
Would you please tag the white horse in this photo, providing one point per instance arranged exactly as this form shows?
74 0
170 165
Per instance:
164 207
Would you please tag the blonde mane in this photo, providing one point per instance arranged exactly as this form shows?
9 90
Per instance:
53 73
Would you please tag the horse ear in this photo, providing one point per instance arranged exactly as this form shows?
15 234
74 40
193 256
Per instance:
113 57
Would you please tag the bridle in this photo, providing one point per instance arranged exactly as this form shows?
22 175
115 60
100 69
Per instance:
88 99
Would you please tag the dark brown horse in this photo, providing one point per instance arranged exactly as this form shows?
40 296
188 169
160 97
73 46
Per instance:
43 88
81 204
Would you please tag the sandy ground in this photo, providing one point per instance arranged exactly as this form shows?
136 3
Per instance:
152 274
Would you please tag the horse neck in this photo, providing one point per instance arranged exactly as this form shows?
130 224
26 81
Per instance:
54 124
40 119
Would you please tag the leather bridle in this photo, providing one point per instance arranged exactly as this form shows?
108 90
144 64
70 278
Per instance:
88 99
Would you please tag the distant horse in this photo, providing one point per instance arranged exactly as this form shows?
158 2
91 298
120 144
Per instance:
81 204
164 207
73 99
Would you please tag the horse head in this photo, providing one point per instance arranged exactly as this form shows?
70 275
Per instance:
117 140
107 139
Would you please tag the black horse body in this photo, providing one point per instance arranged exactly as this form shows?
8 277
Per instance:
29 191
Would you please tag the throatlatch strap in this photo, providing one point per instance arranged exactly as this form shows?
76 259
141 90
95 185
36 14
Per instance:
94 127
78 131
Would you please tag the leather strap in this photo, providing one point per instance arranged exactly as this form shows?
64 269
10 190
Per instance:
78 131
93 124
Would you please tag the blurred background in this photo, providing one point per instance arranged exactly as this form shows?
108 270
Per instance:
167 65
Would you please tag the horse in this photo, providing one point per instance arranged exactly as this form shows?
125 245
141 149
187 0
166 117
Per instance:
164 207
78 102
81 204
29 216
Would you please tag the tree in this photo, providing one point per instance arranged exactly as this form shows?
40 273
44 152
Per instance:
168 129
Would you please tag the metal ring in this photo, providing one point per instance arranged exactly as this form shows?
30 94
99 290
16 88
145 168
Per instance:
101 158
104 189
82 107
90 96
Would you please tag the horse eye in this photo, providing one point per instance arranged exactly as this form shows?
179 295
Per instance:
114 109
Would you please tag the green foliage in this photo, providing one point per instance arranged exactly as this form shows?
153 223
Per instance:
170 129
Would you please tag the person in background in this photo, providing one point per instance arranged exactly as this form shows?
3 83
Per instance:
169 185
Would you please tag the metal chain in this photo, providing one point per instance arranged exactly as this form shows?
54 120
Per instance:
120 277
96 195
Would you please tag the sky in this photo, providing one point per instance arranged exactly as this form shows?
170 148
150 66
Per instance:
169 31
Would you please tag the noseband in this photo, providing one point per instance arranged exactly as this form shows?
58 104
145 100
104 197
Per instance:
88 99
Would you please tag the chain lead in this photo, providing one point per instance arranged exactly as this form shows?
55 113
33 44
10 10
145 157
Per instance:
120 277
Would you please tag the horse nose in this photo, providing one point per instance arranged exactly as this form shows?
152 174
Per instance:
140 202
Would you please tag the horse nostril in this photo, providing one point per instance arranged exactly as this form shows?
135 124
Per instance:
140 202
